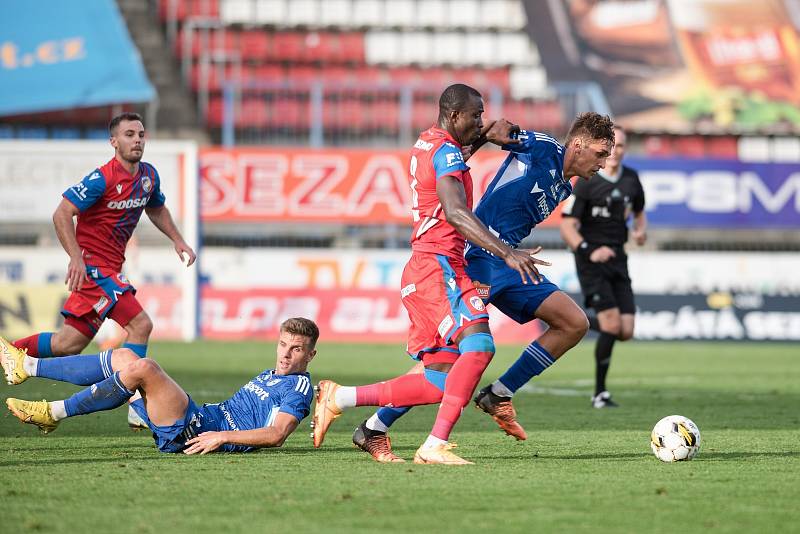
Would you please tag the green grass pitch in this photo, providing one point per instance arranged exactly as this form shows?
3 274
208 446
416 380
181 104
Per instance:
581 470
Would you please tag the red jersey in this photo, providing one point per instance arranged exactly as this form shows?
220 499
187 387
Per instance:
436 154
111 202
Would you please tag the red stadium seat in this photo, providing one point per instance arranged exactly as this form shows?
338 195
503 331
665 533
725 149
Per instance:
351 46
254 45
214 112
252 113
270 73
288 46
183 9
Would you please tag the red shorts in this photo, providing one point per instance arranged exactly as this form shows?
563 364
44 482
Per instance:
103 295
441 302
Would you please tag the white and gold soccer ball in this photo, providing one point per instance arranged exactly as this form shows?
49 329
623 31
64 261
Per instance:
675 438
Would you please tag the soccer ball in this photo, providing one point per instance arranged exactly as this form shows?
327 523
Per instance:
675 438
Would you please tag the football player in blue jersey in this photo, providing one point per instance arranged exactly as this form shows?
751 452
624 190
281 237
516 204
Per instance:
263 413
531 182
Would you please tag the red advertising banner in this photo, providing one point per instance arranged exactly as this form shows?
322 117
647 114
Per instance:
305 185
352 315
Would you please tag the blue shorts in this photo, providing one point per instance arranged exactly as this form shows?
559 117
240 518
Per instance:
173 438
500 285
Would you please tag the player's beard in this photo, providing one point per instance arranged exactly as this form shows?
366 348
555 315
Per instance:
134 157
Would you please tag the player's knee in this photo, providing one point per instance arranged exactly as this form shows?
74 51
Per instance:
625 333
578 324
121 358
143 368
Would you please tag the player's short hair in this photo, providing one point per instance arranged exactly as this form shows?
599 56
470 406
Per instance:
126 116
300 326
455 98
591 125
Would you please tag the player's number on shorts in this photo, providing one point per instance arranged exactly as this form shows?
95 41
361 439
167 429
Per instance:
414 196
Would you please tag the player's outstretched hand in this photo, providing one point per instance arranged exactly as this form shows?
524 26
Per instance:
182 248
204 443
76 274
639 236
524 262
500 133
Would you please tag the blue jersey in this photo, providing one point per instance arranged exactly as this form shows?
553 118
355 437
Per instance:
527 188
258 402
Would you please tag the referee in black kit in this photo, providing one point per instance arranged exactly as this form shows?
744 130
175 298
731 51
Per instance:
595 228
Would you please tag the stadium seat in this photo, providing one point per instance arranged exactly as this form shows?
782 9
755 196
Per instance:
336 13
351 46
503 15
271 12
254 45
6 131
514 48
270 74
528 82
237 11
303 13
464 14
399 14
382 48
367 13
252 113
435 15
480 49
448 48
97 133
288 46
215 112
415 48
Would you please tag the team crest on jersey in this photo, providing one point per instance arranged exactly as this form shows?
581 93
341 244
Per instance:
477 303
147 184
119 189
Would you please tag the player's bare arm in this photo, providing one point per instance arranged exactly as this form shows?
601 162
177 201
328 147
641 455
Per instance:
454 203
639 231
497 132
270 436
65 230
162 219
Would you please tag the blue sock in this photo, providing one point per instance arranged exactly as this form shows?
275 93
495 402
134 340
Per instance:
140 349
533 360
389 415
43 345
105 395
81 369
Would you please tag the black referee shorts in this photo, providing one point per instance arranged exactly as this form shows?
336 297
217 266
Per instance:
606 285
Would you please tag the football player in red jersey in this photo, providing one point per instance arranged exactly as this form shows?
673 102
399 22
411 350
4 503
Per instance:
108 204
449 324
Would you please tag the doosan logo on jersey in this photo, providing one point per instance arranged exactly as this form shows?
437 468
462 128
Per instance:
127 204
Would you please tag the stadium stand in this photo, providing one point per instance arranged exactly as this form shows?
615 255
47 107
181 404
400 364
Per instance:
397 54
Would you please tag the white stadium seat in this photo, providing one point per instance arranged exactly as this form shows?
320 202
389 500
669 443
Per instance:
416 47
303 13
433 14
336 13
515 49
479 49
367 13
237 11
448 48
528 82
399 14
464 14
272 12
382 48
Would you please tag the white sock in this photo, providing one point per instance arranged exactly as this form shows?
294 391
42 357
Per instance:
374 423
345 397
499 389
433 441
58 410
29 364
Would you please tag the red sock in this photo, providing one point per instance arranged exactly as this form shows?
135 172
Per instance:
31 343
461 382
406 390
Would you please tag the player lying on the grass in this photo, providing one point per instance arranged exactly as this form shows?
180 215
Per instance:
263 413
530 183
